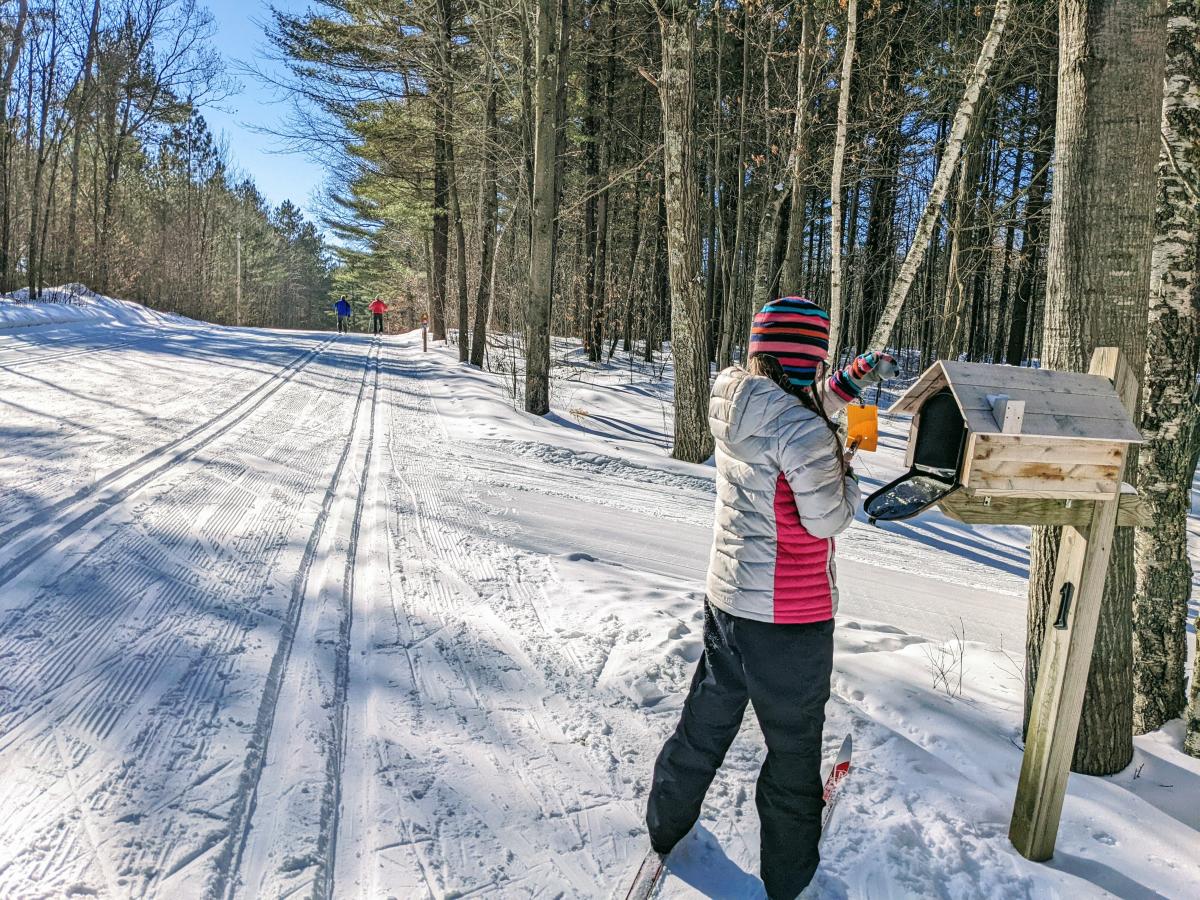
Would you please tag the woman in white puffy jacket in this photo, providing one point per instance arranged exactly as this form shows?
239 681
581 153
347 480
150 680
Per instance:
784 490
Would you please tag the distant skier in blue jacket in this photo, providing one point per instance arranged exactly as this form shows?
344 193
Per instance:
343 315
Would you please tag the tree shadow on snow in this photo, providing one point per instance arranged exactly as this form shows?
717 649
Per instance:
1104 877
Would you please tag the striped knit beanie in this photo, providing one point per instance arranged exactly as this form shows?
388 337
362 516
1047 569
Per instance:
796 332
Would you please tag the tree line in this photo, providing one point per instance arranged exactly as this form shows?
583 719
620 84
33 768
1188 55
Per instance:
504 166
110 176
1015 182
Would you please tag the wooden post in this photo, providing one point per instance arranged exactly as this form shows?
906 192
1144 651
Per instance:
1083 556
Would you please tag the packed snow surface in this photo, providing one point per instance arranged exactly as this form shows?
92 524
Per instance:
294 614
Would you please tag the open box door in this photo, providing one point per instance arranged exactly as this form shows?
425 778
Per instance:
937 462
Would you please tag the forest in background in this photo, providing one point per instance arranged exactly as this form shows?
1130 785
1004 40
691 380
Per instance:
432 107
110 176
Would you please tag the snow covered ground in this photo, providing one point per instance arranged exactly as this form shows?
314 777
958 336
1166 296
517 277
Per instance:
292 614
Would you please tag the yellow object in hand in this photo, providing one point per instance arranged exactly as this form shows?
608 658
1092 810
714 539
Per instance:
862 431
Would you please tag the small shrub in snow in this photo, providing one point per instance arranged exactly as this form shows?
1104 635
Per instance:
945 661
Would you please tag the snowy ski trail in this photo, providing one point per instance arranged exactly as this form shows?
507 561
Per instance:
39 533
296 615
286 817
128 674
96 424
463 620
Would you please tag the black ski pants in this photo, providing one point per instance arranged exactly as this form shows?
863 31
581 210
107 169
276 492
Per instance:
377 323
784 670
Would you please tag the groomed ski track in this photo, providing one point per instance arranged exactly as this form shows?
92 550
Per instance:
281 652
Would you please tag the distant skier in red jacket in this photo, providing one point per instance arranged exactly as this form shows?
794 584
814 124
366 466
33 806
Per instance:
377 308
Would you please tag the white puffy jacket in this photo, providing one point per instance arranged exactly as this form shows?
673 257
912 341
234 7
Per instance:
781 497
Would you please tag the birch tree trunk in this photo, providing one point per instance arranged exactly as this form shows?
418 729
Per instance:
1110 81
836 272
963 117
793 255
543 204
676 21
1169 400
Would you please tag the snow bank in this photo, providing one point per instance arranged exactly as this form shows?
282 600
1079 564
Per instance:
75 303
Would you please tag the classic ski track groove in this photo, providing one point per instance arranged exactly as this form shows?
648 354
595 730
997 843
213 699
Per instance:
332 805
226 881
103 427
95 714
152 464
460 631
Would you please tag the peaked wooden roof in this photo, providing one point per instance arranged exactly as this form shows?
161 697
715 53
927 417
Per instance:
1057 404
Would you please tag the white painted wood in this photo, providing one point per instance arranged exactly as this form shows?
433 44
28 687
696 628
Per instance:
1008 413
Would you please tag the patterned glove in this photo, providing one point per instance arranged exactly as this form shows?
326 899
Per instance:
868 369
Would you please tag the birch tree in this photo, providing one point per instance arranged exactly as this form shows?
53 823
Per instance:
835 188
1170 404
941 181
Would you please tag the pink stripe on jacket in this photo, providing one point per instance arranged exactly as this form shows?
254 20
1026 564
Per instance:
803 578
781 498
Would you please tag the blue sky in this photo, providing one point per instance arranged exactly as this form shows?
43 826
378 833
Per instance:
279 175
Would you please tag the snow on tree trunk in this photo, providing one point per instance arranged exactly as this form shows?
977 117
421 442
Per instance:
1110 68
963 117
1165 467
693 442
543 202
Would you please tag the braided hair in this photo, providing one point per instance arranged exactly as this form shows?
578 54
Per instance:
767 366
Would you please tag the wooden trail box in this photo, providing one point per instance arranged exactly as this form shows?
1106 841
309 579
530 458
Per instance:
999 444
1004 440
